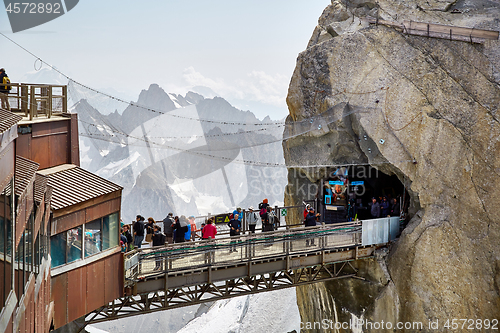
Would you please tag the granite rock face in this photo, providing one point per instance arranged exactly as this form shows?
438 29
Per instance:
426 110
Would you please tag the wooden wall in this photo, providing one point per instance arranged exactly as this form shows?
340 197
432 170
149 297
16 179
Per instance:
84 289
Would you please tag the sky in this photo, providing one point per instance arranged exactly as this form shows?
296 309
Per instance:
245 51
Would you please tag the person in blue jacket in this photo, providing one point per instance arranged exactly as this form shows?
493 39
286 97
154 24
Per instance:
237 211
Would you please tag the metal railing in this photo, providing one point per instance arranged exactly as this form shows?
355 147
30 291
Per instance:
34 100
226 251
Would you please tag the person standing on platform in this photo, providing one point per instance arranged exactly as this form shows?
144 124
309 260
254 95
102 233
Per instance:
181 228
311 219
158 239
234 230
210 230
128 236
385 208
375 210
4 89
395 210
138 231
193 228
167 227
150 230
252 219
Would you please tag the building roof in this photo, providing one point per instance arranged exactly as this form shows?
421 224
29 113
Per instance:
25 171
72 185
8 119
40 186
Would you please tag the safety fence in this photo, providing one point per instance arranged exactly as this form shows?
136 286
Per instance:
226 251
34 100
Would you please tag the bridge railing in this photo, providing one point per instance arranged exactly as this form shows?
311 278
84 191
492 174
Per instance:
34 100
185 257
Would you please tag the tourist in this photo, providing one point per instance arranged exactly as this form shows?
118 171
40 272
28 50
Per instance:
210 230
193 228
4 90
395 210
252 219
311 218
375 210
271 219
150 229
181 228
167 227
384 207
237 211
263 213
158 239
128 236
234 230
138 231
123 242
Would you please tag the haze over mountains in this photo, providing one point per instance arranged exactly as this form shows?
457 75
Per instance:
183 154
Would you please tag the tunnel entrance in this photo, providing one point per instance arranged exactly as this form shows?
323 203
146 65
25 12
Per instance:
347 192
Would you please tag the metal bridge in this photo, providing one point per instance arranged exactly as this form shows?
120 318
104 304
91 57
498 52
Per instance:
183 274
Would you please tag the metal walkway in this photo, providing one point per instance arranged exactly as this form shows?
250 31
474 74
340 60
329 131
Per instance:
197 272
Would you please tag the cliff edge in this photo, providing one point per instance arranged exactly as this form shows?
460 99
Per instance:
423 109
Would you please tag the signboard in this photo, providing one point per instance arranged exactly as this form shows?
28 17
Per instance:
357 183
328 199
336 182
283 212
222 218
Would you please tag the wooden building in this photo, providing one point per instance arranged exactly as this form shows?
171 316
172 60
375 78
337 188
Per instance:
59 241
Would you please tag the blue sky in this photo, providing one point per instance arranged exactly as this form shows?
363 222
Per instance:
243 50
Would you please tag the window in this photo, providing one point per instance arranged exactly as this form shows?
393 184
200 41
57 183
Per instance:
84 241
58 249
93 238
6 255
110 231
74 243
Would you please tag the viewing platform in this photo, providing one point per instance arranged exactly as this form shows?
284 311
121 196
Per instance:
38 102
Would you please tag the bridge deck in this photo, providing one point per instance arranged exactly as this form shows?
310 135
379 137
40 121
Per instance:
185 274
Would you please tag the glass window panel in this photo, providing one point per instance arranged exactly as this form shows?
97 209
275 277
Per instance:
37 254
58 249
110 231
93 237
20 268
74 242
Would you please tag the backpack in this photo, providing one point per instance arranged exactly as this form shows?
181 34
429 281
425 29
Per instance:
6 81
187 234
263 211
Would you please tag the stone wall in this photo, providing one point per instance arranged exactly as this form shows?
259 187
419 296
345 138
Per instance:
425 109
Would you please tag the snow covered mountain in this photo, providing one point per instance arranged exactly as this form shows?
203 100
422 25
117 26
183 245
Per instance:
186 154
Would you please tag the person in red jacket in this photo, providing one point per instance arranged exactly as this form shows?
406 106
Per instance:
210 230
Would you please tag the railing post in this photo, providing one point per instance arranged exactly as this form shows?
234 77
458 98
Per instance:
277 217
244 222
65 99
32 102
24 99
49 104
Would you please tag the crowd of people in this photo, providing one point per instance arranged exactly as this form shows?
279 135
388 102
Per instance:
179 229
382 207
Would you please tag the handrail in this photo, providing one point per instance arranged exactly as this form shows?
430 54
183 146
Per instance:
34 100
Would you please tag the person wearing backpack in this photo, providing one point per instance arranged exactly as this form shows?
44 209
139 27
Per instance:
138 231
252 220
167 227
158 239
263 213
181 227
4 89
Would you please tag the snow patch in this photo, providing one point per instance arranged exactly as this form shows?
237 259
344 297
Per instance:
274 311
